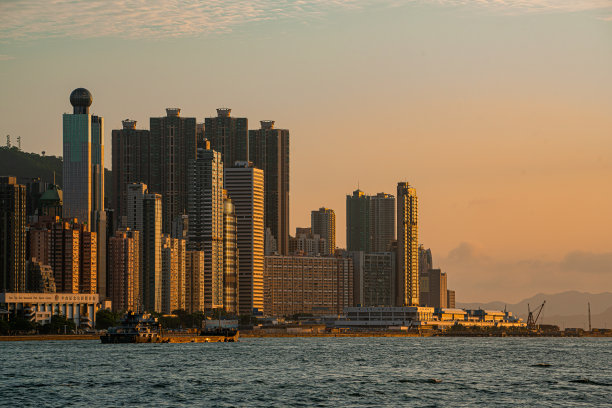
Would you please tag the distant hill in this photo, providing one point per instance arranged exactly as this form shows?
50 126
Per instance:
567 309
14 162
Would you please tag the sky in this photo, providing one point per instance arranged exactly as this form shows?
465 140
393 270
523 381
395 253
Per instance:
498 112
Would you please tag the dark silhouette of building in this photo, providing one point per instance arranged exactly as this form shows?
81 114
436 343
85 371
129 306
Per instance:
12 235
229 136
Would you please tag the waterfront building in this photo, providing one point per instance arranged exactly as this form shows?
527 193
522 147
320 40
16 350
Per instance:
374 278
194 281
228 136
173 145
308 244
407 286
358 235
83 175
384 316
132 163
124 270
382 222
151 255
433 290
230 257
245 186
450 298
40 277
269 151
80 308
205 208
173 274
323 223
313 285
12 235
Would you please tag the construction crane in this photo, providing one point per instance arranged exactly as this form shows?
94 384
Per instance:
531 322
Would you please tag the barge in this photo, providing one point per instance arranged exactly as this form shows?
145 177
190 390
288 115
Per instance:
144 328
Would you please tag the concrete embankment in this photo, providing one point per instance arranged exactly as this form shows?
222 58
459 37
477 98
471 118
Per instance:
46 337
257 333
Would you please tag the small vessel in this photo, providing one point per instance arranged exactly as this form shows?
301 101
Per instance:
144 328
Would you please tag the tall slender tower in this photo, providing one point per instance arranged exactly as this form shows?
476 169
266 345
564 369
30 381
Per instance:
229 136
173 145
323 223
245 186
407 246
269 151
358 235
205 208
12 235
382 221
131 163
230 257
83 174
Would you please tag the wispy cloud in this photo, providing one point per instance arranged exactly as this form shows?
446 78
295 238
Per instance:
4 57
31 19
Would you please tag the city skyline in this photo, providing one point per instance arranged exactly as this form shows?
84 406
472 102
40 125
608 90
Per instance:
492 137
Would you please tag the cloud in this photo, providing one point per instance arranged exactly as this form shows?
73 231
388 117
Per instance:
32 19
476 276
4 57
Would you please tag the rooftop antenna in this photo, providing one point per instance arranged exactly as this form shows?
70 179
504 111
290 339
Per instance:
8 141
19 143
53 177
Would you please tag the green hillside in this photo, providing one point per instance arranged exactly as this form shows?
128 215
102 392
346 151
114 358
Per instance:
14 162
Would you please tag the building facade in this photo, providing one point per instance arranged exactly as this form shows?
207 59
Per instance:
230 257
12 235
245 186
382 222
194 281
374 278
313 285
131 164
407 246
206 208
269 151
151 252
228 136
358 235
173 274
173 145
323 223
124 270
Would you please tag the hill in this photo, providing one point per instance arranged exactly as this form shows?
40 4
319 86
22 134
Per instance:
567 309
23 165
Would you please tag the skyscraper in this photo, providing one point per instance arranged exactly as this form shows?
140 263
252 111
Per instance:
131 163
83 174
205 208
407 242
173 274
269 151
194 281
230 257
245 186
124 270
151 240
12 235
382 221
358 235
323 223
229 136
173 144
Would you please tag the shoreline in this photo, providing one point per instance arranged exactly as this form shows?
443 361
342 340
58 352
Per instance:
50 337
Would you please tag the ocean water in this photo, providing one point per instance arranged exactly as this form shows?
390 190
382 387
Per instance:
322 372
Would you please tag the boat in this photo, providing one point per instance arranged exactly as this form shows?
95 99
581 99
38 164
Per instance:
144 328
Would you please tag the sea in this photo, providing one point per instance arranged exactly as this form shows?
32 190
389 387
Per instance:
310 372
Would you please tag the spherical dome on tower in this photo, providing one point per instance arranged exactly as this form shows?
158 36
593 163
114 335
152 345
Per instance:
81 97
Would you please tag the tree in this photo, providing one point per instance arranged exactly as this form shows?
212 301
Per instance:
106 318
59 324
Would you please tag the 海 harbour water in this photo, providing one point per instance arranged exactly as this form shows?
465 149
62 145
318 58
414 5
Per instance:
422 372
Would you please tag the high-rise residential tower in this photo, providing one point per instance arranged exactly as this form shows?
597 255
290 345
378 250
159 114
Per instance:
124 270
323 223
173 144
245 186
407 246
12 235
230 257
205 209
83 174
151 241
131 163
269 151
358 235
229 136
382 221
